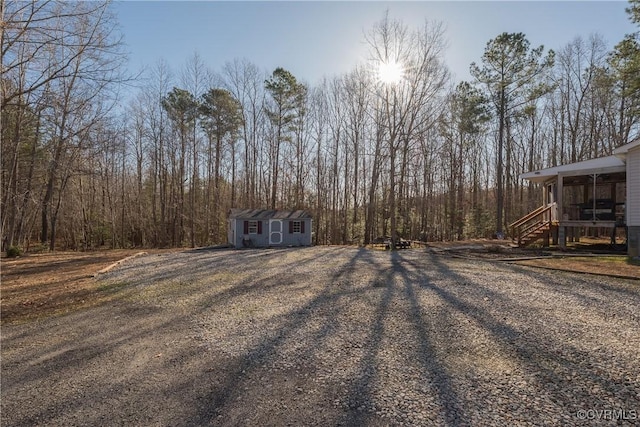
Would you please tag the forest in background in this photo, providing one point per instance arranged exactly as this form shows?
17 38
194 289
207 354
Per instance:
392 147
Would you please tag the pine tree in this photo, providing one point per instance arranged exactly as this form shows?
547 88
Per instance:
287 96
509 69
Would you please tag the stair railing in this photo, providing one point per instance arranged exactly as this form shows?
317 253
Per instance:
531 223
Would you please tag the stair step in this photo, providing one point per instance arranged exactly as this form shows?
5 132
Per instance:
535 235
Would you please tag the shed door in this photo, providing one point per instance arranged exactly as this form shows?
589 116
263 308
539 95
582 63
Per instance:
275 231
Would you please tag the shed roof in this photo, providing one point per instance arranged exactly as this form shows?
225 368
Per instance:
268 214
607 164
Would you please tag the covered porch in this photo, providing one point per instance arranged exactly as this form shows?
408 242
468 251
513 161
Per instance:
579 199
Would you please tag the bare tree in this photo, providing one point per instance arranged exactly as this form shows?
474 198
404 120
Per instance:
463 122
358 104
412 77
196 78
576 72
221 120
62 59
182 108
246 82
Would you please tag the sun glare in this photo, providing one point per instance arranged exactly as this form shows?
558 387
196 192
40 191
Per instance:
390 72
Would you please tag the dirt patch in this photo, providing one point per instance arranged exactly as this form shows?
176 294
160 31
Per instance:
41 285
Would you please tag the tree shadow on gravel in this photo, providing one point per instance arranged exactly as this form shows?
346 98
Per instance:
582 285
111 395
360 393
560 369
191 274
452 409
63 374
266 281
216 406
159 373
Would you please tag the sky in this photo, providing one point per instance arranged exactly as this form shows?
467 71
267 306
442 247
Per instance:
313 40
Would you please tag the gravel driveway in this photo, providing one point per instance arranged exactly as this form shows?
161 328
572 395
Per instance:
331 336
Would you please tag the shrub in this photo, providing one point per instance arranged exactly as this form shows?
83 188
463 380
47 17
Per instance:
13 251
495 249
38 248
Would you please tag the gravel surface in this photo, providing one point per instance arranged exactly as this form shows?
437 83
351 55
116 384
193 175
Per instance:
331 336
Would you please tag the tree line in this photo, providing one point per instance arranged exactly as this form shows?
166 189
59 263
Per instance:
414 157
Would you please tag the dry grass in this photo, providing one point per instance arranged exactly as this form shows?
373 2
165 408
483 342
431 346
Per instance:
618 266
41 285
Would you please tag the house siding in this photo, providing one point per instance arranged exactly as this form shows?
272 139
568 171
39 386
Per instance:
633 187
633 201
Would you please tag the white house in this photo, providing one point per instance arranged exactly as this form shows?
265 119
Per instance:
630 155
602 192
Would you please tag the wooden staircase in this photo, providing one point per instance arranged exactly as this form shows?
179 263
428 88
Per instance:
533 226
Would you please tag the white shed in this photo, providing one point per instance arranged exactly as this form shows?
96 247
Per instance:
269 228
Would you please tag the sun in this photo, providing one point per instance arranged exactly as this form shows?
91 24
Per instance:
390 72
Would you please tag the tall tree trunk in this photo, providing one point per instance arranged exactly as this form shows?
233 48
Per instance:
500 165
373 186
392 196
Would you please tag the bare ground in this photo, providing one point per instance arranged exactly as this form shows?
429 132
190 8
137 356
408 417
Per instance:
329 336
40 285
616 266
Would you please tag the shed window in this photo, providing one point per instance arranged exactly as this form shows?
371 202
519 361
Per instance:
296 227
252 227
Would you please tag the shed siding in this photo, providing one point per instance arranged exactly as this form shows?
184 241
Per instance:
262 238
633 187
289 238
231 232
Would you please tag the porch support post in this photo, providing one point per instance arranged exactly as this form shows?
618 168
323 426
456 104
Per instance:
559 197
613 194
586 195
595 178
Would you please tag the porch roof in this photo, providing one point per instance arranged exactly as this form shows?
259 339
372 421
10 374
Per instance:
609 164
